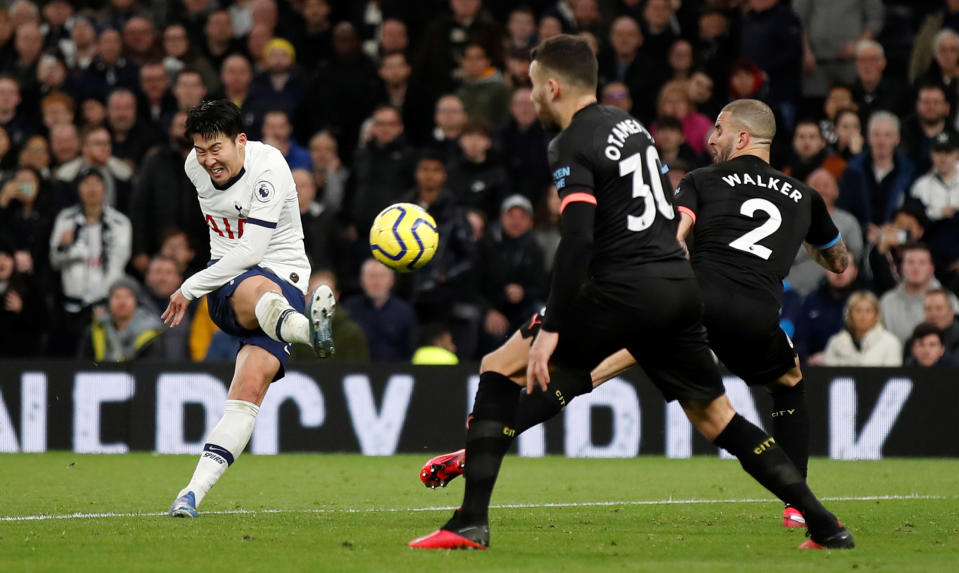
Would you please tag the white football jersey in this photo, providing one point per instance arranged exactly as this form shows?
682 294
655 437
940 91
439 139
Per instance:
264 196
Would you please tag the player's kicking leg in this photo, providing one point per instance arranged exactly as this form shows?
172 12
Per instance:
261 312
255 369
767 463
260 303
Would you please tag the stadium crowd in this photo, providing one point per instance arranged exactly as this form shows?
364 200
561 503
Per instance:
378 101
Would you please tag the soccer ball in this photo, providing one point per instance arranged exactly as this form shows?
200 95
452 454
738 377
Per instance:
404 237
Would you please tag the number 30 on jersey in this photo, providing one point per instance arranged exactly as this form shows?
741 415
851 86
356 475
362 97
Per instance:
653 195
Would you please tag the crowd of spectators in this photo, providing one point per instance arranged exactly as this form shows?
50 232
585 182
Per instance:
378 101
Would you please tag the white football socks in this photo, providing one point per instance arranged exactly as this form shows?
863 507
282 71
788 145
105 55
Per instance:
224 444
280 321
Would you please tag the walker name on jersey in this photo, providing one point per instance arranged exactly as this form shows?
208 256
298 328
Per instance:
618 136
226 227
773 183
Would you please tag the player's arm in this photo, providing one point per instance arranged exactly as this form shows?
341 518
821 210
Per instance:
823 240
686 202
570 267
834 258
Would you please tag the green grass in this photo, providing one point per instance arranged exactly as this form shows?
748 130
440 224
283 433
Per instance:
350 513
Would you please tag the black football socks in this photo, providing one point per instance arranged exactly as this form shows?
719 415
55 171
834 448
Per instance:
490 433
762 458
541 406
791 423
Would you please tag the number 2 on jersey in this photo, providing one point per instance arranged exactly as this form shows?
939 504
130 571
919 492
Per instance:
748 241
653 198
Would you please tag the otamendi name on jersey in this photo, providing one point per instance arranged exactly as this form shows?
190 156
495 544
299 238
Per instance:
619 133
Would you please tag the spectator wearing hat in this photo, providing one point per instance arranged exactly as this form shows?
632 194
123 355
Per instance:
124 330
90 246
938 190
477 178
926 348
513 271
280 85
22 313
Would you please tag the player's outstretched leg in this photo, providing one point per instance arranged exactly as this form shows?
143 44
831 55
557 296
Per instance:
490 433
281 322
762 458
532 409
224 444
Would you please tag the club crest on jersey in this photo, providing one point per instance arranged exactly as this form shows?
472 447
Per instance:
264 191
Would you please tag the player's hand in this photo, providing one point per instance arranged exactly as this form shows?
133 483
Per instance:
537 369
173 315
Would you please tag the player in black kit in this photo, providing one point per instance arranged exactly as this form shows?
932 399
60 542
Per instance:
620 280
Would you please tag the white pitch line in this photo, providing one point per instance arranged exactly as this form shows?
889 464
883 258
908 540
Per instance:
447 508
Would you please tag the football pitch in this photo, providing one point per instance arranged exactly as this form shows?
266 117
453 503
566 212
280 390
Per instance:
66 512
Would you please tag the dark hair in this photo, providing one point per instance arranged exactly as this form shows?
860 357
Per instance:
914 246
809 121
89 172
569 56
477 126
930 85
431 333
913 210
209 118
923 330
669 122
429 154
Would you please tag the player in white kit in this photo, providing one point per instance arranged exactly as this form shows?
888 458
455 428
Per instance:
256 279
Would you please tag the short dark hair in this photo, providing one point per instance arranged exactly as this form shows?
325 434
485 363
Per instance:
914 246
810 121
669 122
430 154
479 125
912 210
923 330
570 56
209 118
431 333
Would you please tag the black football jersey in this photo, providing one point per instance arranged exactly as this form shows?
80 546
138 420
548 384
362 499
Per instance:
606 157
750 221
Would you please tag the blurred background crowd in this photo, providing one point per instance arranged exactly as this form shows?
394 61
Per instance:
378 101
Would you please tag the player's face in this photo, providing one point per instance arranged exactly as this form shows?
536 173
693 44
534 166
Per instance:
542 95
928 350
221 156
723 139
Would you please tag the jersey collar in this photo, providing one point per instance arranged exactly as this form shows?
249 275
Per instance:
229 183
